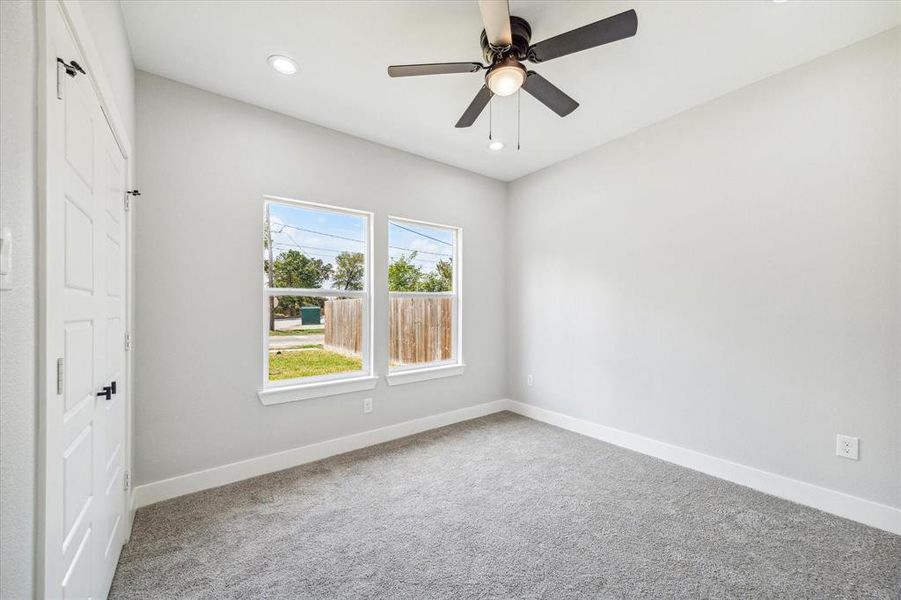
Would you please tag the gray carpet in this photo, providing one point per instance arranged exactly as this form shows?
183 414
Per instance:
499 507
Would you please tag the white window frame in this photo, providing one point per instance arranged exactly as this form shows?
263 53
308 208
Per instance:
446 368
289 390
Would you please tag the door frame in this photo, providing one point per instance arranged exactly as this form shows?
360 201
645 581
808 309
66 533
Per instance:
73 17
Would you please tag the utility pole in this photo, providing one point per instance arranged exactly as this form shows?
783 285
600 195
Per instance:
270 270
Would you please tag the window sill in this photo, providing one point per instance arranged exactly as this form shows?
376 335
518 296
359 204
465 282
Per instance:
305 391
414 375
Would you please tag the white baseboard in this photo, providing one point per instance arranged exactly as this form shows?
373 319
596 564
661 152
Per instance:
130 509
194 482
844 505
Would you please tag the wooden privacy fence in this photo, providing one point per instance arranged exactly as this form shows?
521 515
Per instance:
419 330
344 325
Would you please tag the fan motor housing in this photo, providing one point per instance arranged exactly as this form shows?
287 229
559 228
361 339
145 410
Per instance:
522 35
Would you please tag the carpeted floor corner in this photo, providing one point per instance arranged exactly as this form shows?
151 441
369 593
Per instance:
498 507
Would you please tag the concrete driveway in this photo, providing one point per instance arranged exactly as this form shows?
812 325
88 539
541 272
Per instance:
278 342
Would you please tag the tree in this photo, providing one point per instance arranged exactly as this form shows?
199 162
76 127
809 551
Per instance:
349 271
446 270
293 269
439 280
403 275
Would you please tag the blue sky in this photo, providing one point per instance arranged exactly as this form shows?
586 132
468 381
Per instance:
320 234
431 243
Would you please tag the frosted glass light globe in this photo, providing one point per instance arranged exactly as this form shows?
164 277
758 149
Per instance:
505 80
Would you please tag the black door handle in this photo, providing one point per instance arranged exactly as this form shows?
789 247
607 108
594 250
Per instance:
107 393
113 387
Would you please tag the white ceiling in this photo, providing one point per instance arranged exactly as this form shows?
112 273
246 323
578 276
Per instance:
685 53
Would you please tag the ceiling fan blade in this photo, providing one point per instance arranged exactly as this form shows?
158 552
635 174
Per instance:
434 69
601 32
476 107
548 94
496 18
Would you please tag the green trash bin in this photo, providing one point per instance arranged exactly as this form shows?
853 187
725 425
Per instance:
310 315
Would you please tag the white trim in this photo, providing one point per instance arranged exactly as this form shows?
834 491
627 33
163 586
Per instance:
315 292
419 222
317 205
275 394
456 294
837 503
412 375
422 294
300 382
194 482
78 25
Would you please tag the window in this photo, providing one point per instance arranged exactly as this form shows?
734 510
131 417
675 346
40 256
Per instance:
316 300
424 320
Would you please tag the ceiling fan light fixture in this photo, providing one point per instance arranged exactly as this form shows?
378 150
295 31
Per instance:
505 41
282 64
506 78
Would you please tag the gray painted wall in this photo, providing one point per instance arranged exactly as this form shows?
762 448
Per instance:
18 202
728 280
730 277
205 163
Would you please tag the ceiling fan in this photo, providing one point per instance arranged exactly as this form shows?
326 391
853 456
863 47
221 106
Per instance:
506 41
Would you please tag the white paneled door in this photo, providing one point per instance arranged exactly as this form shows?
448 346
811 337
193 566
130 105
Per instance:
85 520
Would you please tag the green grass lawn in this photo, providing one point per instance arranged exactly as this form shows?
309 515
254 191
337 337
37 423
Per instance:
297 331
308 363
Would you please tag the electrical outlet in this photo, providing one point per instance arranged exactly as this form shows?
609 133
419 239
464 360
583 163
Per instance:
367 405
846 446
530 381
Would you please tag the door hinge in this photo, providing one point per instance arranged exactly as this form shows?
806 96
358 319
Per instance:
60 375
127 341
127 479
128 196
71 69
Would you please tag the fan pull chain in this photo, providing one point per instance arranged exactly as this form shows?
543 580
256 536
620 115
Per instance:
490 116
518 114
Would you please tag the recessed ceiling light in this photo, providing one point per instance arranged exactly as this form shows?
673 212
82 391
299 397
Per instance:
283 64
779 1
496 145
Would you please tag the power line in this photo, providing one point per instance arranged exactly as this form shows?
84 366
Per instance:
425 260
311 247
306 250
361 241
421 251
340 237
422 234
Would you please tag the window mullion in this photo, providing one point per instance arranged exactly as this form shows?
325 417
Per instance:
315 292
